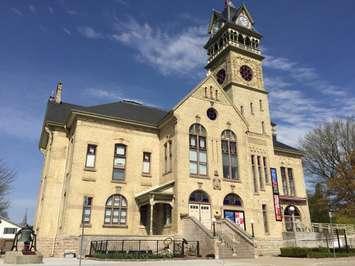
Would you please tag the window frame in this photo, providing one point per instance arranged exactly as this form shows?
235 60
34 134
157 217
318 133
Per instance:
229 137
87 205
284 178
88 154
253 169
149 161
116 156
112 208
260 173
265 219
198 135
291 182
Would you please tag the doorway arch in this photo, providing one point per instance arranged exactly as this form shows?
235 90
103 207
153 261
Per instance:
200 207
288 218
233 209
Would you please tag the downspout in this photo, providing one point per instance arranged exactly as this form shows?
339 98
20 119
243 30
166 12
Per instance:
45 152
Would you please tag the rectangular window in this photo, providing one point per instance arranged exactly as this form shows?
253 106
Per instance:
242 110
254 173
90 156
261 105
165 158
284 181
263 127
260 173
266 172
291 181
10 231
251 108
170 156
119 162
265 219
86 218
146 162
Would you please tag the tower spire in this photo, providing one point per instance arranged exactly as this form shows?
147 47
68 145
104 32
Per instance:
58 93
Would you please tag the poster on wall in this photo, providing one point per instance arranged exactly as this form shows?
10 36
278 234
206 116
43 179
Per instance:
277 207
236 217
275 184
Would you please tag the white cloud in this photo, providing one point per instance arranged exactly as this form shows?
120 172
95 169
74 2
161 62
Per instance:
67 31
89 33
32 8
179 53
300 99
50 10
71 12
103 93
16 11
19 123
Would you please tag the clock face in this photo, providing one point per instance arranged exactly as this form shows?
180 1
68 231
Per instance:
246 72
212 113
221 76
244 21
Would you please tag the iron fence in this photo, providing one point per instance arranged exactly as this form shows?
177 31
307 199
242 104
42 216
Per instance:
142 247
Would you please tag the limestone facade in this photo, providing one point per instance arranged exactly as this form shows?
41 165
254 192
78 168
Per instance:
153 202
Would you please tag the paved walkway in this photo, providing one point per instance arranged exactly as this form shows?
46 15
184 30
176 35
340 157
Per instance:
262 261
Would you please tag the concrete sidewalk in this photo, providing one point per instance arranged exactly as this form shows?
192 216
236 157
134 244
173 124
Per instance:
264 261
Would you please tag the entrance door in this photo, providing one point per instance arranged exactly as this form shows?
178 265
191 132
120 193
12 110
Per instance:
200 208
202 212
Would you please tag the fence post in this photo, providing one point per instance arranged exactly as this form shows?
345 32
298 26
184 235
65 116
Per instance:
157 247
198 248
139 246
91 247
337 232
346 242
122 246
106 246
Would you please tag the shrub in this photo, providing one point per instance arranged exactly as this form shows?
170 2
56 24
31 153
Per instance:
294 252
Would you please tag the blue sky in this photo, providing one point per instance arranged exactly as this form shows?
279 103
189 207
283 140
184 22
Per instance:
151 51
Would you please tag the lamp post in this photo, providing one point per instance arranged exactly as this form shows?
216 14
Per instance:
292 210
331 230
252 227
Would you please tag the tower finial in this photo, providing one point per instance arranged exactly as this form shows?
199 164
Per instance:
58 93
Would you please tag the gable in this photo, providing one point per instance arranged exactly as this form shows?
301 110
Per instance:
209 90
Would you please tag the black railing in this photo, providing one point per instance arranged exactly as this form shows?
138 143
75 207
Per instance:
144 248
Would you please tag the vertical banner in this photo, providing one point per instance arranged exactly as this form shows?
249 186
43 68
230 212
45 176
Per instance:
278 214
275 192
275 184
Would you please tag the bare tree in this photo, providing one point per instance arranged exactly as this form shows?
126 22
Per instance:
7 177
330 161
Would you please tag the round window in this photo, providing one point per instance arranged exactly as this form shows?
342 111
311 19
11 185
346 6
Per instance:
246 72
212 113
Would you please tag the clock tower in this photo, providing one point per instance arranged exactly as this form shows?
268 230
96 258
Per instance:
235 59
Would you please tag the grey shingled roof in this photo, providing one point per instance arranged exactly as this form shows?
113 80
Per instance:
282 146
58 113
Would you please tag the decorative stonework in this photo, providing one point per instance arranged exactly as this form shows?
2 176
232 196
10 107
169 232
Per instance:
216 184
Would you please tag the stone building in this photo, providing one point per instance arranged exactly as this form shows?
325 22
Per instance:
130 170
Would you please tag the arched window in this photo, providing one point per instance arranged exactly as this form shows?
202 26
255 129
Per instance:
116 210
247 41
241 39
198 150
229 155
199 196
232 200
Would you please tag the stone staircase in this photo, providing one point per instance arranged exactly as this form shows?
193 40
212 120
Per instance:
233 241
227 240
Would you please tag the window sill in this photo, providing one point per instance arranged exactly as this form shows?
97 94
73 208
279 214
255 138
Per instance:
166 173
89 179
118 181
200 176
146 175
232 180
86 226
115 226
90 169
